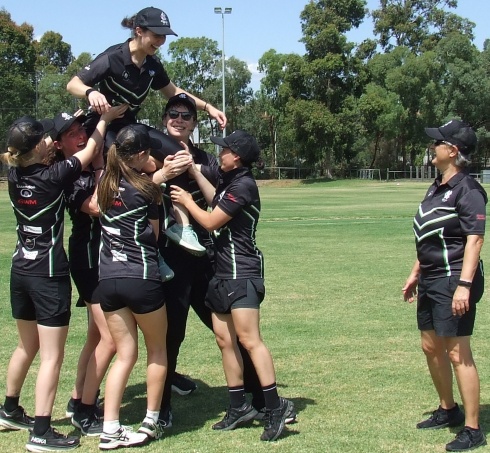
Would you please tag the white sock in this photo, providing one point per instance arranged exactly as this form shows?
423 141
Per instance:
111 427
152 415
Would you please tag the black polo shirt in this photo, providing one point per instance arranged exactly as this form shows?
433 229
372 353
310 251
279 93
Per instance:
237 194
129 246
84 241
36 194
121 81
448 213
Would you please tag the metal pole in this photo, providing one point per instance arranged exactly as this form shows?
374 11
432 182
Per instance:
223 69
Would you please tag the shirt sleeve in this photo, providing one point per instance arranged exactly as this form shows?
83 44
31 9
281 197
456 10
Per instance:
153 213
66 171
236 196
78 193
161 78
472 213
97 70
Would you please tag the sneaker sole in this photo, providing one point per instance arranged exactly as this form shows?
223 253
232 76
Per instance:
118 444
182 392
242 419
69 414
40 448
13 425
481 444
198 251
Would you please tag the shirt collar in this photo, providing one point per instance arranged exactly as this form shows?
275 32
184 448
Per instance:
127 54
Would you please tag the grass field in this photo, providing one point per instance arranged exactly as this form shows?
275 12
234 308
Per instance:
345 345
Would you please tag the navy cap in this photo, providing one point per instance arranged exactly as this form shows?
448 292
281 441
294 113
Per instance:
133 139
457 133
25 133
241 143
184 99
155 20
62 122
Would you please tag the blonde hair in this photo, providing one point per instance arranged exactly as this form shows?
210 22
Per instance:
117 167
15 158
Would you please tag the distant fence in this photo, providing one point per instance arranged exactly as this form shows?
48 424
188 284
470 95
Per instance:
285 173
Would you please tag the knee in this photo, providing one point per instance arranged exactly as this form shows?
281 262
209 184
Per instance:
223 342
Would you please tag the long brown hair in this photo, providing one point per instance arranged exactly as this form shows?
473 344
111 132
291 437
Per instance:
117 167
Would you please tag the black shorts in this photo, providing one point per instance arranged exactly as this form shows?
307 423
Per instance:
140 296
434 306
225 295
46 300
86 281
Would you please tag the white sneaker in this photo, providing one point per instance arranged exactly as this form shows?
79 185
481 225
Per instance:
152 429
123 437
186 237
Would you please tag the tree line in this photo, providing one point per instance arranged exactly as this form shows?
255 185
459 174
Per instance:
339 107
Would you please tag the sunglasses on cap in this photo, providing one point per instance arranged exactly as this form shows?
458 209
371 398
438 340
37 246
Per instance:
174 114
442 142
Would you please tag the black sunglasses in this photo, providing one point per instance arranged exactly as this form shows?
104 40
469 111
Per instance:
442 142
174 114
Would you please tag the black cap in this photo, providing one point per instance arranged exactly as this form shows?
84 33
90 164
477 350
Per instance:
25 133
155 20
182 98
241 143
63 122
457 133
133 139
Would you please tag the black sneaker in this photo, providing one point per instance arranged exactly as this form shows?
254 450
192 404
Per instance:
151 429
276 419
467 439
234 416
443 418
123 437
88 423
51 440
183 385
71 407
290 417
17 419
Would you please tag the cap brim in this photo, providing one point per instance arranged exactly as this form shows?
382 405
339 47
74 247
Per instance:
220 141
434 132
162 31
185 102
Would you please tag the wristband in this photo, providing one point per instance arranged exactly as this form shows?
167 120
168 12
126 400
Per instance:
205 109
464 283
89 91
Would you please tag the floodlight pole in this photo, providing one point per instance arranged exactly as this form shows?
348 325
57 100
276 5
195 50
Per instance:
223 11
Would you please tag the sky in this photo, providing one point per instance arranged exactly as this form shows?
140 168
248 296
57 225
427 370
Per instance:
250 30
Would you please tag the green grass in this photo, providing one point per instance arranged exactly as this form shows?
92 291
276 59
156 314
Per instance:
345 345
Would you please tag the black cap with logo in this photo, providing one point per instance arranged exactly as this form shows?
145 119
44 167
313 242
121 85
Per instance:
62 122
155 20
241 143
457 133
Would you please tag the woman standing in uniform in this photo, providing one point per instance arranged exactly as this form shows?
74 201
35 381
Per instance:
448 275
125 73
130 289
237 288
40 285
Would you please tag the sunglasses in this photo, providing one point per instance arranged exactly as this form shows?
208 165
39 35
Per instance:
442 142
174 114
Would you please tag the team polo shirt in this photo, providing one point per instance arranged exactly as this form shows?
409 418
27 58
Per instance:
84 242
448 213
121 81
237 255
129 246
36 195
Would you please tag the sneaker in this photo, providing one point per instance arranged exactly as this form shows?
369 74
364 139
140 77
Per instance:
275 420
71 407
123 437
186 237
166 273
234 416
183 385
443 418
165 418
467 439
51 440
153 430
290 416
89 424
17 419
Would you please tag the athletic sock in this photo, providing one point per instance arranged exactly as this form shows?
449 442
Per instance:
152 415
271 396
41 424
111 427
87 408
11 403
237 396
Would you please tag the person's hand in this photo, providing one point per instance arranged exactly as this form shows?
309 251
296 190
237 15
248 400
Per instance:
218 115
98 102
179 195
176 164
461 301
410 289
114 112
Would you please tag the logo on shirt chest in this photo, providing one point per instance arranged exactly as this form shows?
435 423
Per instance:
447 196
125 75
